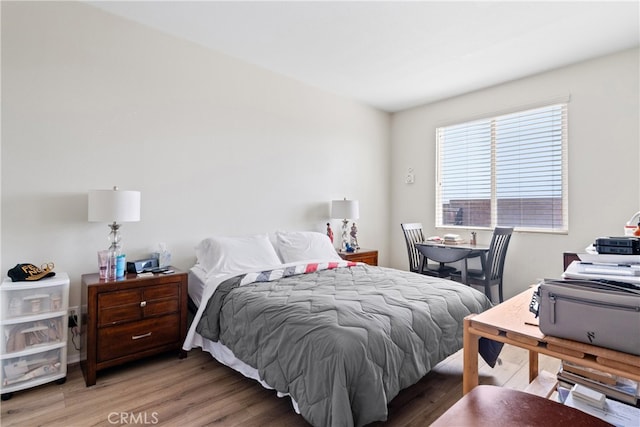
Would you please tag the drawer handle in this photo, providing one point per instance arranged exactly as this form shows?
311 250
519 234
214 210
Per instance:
137 337
143 303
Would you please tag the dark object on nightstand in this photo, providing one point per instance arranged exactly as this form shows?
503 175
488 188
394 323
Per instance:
142 265
368 256
131 318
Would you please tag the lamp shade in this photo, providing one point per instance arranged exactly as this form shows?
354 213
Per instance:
114 206
345 209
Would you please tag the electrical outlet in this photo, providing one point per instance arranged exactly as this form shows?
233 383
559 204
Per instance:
73 317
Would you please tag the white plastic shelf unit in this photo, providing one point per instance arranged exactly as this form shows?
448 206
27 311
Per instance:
33 331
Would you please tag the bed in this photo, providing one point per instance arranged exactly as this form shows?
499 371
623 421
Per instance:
341 339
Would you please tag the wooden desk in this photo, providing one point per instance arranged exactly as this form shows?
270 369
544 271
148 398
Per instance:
512 323
443 254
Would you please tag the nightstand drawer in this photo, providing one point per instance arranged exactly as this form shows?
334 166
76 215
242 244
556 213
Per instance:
130 338
119 306
169 290
127 305
163 299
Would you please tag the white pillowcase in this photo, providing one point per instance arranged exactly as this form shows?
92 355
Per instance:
225 255
296 246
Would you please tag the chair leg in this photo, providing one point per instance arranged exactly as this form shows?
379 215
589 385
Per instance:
501 299
487 291
423 265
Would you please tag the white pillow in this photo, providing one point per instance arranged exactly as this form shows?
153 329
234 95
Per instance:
296 246
236 254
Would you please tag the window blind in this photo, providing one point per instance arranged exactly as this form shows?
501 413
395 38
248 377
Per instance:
508 170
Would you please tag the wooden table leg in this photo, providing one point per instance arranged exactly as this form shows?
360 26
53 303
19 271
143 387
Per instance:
470 358
533 365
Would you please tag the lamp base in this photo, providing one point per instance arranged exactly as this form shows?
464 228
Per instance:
114 237
354 237
344 245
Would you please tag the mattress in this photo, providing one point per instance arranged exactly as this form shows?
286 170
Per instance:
197 280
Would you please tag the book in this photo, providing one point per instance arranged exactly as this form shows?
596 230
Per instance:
625 390
594 374
452 239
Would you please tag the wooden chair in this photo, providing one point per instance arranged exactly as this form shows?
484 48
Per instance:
412 235
489 405
493 266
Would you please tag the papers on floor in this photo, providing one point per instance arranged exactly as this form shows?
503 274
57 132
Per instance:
613 412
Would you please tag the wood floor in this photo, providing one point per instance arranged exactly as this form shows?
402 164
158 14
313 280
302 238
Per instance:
198 391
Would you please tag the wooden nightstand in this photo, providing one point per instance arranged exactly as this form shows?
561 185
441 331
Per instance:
368 256
131 318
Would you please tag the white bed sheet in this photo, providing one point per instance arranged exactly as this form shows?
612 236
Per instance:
196 283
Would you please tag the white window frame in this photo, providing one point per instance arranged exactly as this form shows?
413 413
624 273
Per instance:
493 119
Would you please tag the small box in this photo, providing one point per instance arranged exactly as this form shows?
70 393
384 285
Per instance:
588 395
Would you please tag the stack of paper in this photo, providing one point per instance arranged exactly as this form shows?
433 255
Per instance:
616 413
628 273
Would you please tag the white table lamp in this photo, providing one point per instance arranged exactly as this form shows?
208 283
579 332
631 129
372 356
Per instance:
114 206
345 210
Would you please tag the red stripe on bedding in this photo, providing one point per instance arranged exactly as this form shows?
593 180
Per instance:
311 268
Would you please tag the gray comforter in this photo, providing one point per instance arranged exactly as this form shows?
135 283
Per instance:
343 341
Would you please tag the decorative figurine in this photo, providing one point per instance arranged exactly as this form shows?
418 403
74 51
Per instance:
330 232
354 236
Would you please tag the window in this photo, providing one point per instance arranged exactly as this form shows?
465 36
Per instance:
508 170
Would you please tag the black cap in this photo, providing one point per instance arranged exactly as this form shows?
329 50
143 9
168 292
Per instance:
30 273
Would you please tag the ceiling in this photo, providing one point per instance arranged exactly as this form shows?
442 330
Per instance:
394 55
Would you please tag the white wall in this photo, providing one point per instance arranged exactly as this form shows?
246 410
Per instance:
216 146
604 148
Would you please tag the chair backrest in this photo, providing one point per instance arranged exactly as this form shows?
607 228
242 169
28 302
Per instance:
497 252
412 235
